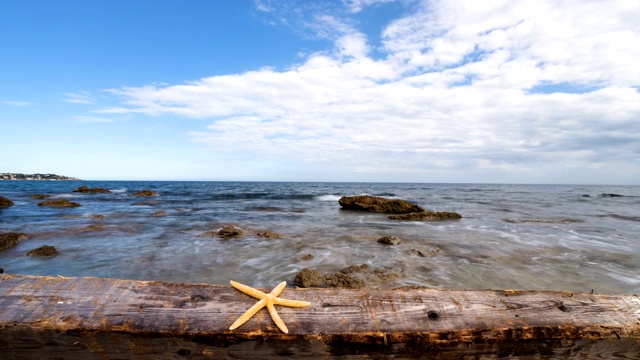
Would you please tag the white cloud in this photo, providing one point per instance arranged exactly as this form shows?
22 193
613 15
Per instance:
356 6
91 119
83 97
464 87
16 103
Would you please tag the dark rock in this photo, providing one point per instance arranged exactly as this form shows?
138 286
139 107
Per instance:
378 204
308 278
269 234
389 240
425 252
352 277
427 216
159 213
59 203
1 270
85 189
611 195
145 193
307 257
11 239
90 228
4 202
40 196
230 231
45 250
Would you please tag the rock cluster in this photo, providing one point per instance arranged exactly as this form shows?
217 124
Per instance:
87 190
11 239
4 202
402 209
427 216
378 204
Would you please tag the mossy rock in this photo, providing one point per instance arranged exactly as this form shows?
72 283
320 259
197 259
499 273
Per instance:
11 239
59 203
44 251
4 202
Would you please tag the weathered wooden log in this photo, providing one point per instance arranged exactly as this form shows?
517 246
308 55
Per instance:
68 318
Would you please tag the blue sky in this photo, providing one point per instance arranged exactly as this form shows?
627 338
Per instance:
343 90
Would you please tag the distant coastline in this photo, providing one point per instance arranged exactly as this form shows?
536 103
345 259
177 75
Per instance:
14 176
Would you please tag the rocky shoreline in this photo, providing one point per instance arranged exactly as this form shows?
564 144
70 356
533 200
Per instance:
352 277
16 176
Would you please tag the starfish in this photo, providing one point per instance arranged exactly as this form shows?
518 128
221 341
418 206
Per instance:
267 300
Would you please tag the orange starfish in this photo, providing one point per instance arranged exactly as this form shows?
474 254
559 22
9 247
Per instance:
267 300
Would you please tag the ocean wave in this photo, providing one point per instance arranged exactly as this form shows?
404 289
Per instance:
544 221
334 198
118 191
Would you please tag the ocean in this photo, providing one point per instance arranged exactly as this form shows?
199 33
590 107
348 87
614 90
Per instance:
539 237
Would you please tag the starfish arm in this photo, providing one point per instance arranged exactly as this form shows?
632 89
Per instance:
276 318
291 303
278 289
248 314
249 290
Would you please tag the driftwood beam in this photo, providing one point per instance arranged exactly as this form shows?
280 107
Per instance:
58 317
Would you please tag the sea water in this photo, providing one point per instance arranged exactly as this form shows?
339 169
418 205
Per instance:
544 237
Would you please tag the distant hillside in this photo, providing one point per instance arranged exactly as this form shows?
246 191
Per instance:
10 176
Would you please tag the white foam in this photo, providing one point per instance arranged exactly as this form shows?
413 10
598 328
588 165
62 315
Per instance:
328 198
118 191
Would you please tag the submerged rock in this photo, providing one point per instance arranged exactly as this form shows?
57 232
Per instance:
40 196
307 257
59 203
609 195
96 190
378 204
427 216
145 193
4 202
159 213
389 240
90 228
44 251
425 252
269 234
11 239
230 231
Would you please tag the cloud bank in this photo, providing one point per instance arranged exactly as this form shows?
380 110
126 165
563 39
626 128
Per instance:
490 89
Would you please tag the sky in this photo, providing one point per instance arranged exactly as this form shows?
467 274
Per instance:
492 91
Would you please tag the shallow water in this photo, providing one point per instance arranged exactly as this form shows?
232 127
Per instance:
549 237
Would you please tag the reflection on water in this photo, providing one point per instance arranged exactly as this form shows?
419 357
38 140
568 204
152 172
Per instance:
511 236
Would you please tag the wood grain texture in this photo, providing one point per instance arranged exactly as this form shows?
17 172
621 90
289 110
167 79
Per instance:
57 317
